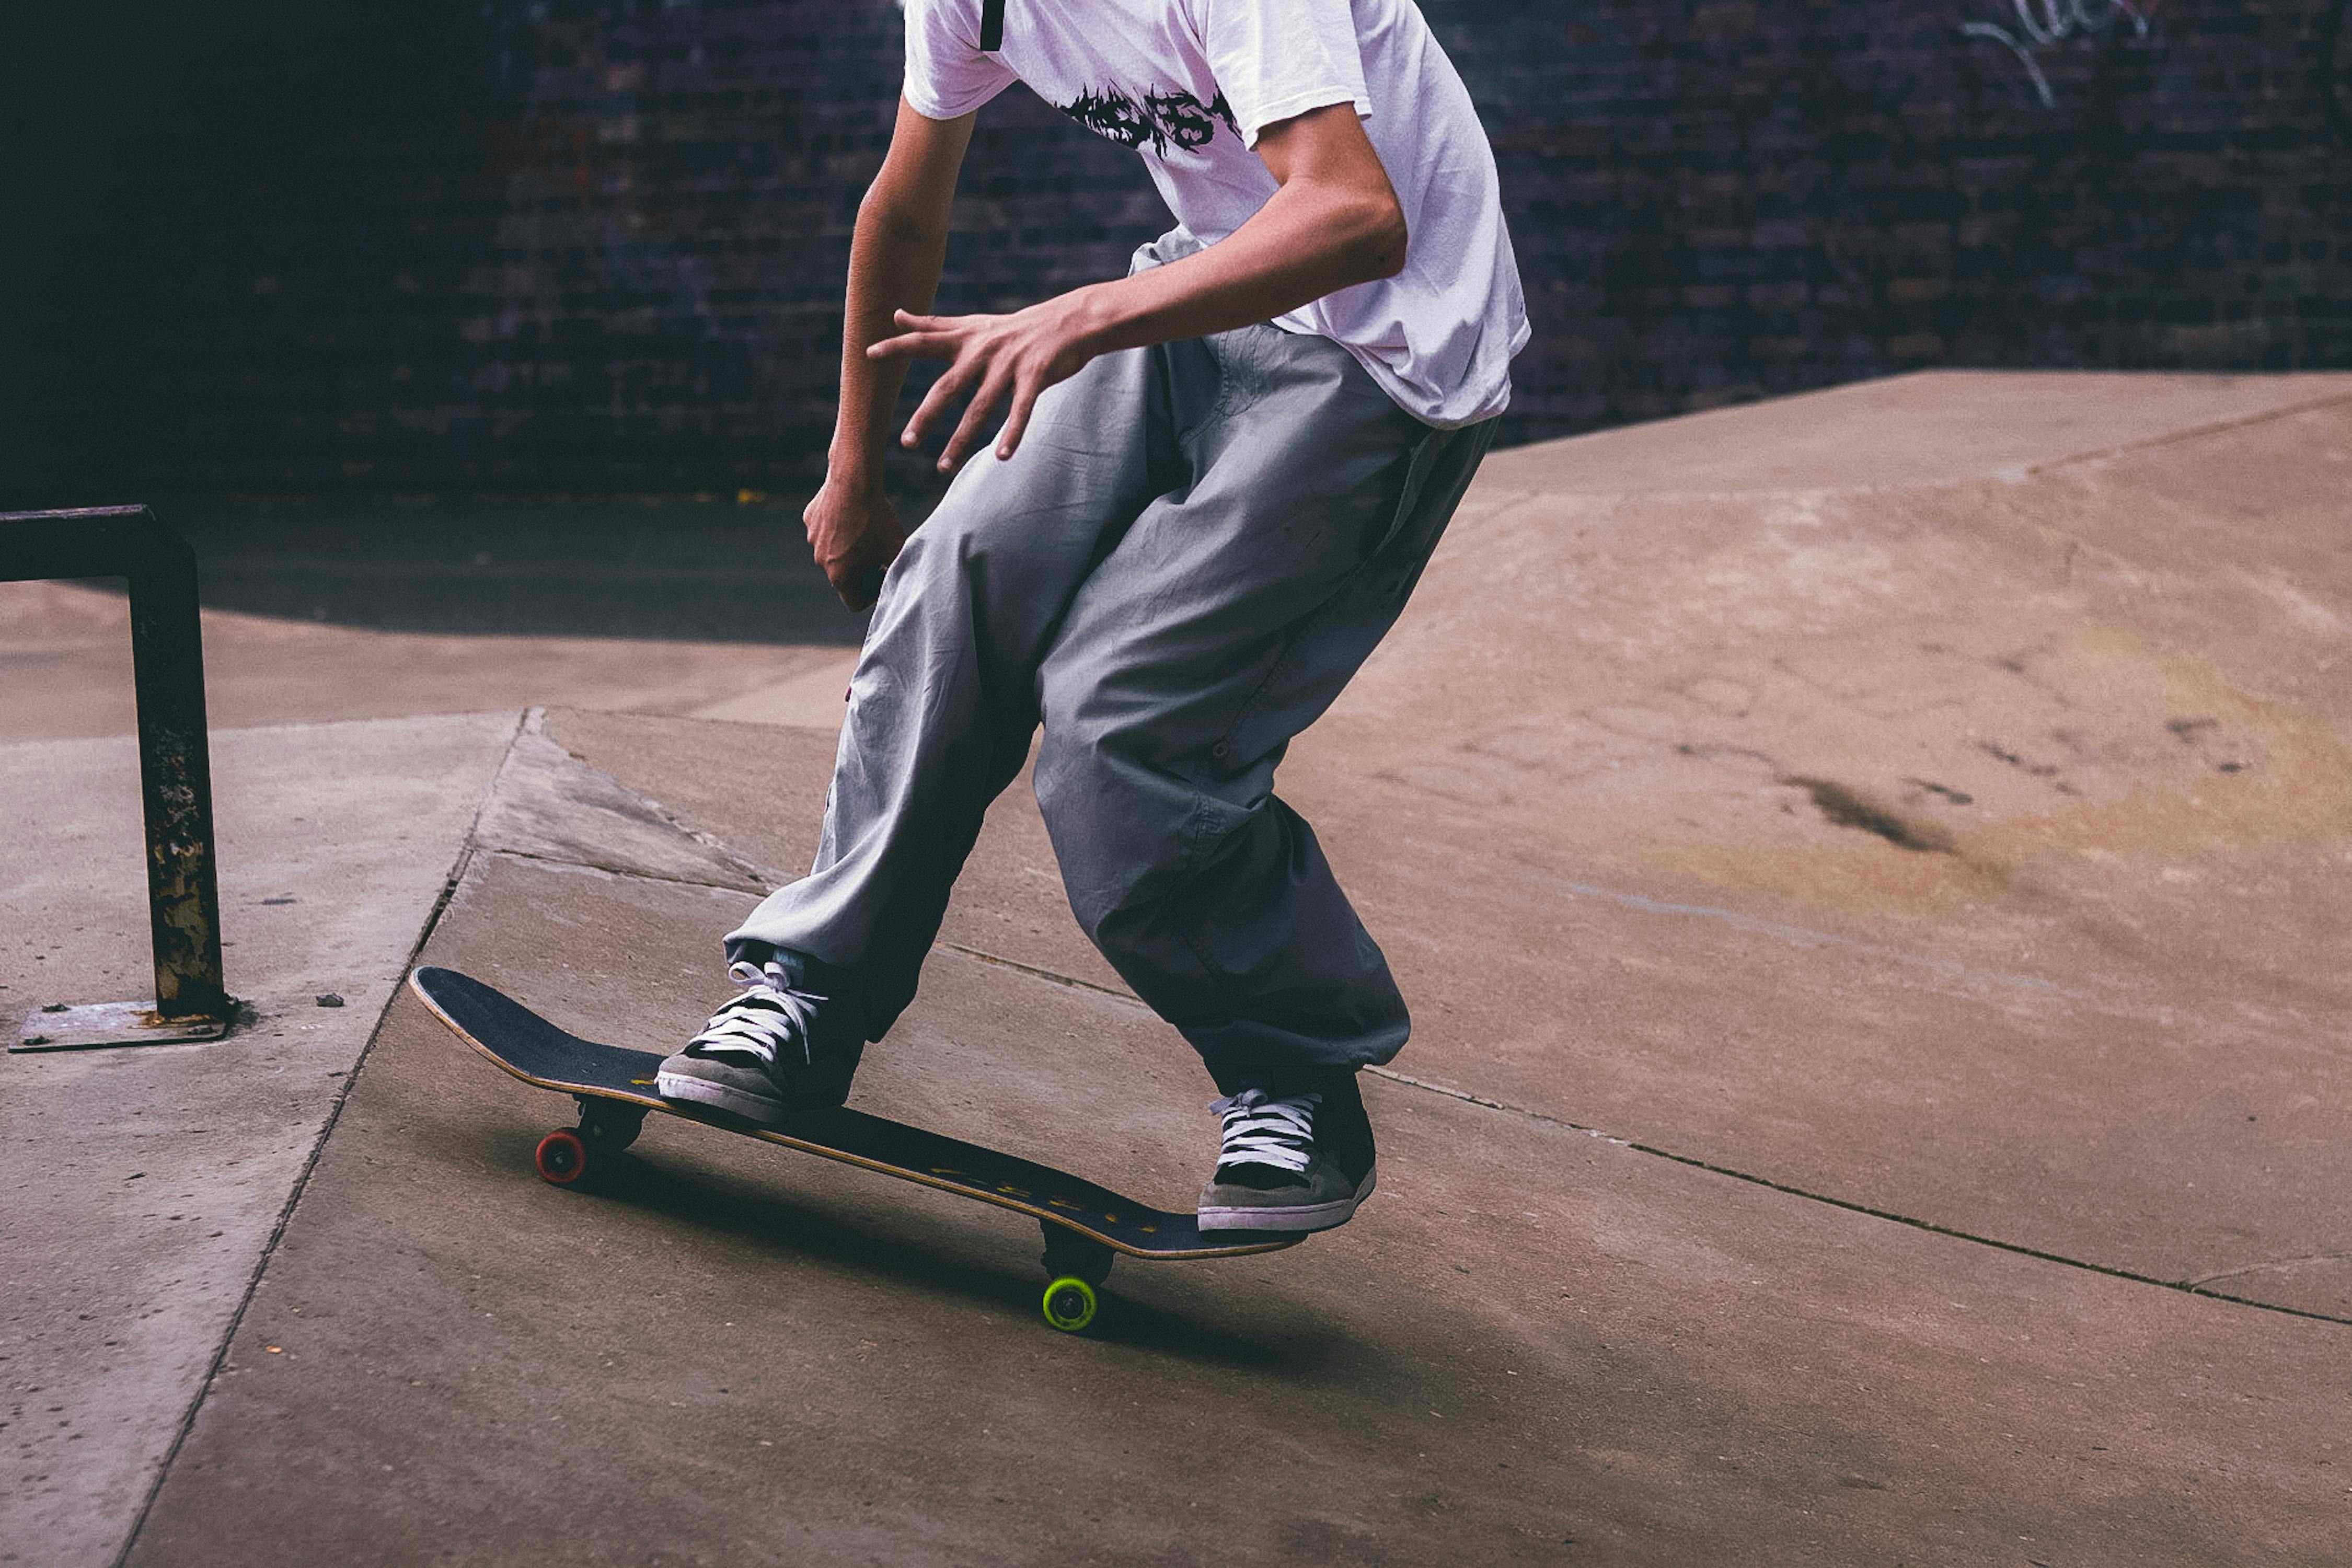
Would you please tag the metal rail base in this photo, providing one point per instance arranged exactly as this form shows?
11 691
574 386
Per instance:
174 771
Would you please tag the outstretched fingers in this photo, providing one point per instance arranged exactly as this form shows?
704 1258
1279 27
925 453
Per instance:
971 431
991 360
944 392
919 337
916 345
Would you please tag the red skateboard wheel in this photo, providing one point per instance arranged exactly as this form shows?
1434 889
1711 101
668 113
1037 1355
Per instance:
561 1158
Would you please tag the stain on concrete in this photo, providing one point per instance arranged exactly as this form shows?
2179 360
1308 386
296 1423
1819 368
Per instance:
1848 807
1999 752
2205 736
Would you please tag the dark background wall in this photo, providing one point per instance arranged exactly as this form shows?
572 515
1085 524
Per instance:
595 246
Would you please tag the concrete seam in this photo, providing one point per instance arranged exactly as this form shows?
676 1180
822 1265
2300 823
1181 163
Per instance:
2185 1287
619 871
2287 412
449 886
1046 974
526 722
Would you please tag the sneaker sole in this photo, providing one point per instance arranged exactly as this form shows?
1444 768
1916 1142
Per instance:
718 1096
1301 1219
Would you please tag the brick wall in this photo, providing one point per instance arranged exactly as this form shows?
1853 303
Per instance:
597 245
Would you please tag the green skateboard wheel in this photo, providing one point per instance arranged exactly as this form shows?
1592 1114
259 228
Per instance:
1070 1303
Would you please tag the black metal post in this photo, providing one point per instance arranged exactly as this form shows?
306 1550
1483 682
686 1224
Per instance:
175 754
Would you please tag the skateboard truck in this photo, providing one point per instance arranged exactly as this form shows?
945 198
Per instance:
570 1156
609 1126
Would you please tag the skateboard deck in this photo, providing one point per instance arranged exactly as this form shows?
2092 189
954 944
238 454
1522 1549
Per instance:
1084 1224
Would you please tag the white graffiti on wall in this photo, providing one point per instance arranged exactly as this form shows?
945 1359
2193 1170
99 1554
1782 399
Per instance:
2041 23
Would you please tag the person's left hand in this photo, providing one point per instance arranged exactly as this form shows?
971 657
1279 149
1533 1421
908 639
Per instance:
992 358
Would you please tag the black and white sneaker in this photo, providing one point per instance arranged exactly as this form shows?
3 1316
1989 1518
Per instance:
1297 1153
765 1054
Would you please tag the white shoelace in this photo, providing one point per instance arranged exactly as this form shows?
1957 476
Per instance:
757 1024
1264 1130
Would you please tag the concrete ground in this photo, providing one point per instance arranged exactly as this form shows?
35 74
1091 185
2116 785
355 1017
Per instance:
1870 870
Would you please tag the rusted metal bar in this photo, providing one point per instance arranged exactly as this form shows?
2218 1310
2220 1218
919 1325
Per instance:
175 767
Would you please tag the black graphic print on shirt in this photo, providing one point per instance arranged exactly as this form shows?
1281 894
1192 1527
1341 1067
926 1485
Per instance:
1173 118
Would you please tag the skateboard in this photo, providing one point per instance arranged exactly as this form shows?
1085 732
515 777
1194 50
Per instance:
1085 1227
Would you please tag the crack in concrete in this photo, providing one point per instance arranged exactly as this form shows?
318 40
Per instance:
536 858
2326 400
351 1077
1127 997
548 802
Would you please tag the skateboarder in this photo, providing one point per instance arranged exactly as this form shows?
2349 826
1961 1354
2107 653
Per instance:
1215 483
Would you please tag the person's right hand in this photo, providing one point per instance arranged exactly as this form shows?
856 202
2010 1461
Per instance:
856 535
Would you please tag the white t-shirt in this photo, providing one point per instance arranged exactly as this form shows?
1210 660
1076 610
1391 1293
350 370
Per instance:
1190 83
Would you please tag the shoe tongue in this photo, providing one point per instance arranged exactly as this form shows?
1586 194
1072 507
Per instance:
1259 1178
744 973
731 1056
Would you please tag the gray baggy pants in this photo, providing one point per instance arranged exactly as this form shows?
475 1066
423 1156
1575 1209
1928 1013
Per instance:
1194 551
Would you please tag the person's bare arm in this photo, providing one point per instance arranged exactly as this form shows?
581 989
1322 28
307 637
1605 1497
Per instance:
1335 222
895 259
